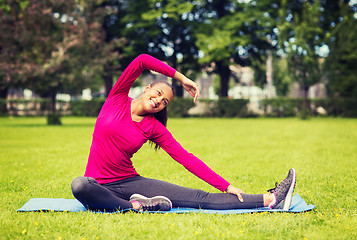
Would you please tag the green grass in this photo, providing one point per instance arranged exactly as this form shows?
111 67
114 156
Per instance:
40 161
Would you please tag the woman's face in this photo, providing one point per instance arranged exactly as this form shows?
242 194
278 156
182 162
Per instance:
157 97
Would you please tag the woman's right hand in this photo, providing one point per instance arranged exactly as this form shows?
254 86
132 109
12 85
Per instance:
236 191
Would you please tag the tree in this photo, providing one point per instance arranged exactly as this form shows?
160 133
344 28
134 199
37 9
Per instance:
31 37
282 79
340 65
163 29
300 37
175 20
235 32
53 47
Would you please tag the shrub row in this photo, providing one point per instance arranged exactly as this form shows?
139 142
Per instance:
38 106
179 107
288 107
226 108
87 108
276 107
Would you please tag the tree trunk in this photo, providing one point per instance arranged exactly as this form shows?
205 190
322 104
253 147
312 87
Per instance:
3 96
178 89
108 82
224 74
3 92
305 112
53 118
306 92
53 102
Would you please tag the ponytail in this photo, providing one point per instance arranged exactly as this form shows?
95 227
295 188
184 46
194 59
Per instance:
162 115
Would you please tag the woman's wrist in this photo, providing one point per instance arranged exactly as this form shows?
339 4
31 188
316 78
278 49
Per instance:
179 76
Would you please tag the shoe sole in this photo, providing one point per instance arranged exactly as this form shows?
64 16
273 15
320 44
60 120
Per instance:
287 200
137 196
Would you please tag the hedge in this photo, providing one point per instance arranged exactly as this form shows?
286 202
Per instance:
179 107
275 107
87 108
226 107
288 107
37 106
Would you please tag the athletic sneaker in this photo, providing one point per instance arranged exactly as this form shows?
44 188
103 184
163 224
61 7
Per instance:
152 204
284 192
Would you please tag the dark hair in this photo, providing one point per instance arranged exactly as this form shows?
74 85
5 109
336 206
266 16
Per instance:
162 115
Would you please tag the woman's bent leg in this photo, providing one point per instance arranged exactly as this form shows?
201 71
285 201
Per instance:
96 197
186 197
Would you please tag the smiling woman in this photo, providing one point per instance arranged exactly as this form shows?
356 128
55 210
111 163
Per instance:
111 182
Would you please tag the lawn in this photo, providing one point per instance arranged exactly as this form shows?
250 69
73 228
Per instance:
40 161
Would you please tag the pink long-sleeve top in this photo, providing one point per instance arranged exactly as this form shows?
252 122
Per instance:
117 137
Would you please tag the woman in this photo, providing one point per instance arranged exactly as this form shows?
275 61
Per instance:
111 182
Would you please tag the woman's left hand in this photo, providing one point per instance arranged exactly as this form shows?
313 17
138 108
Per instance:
190 86
236 191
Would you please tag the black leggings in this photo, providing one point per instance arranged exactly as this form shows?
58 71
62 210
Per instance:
115 196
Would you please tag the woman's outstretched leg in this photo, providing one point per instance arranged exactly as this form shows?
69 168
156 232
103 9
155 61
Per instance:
280 197
184 197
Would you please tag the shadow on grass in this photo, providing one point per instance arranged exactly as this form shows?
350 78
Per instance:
41 122
44 125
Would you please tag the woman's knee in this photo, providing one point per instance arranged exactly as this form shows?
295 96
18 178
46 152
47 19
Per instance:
80 186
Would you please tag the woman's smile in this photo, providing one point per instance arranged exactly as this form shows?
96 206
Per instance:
153 104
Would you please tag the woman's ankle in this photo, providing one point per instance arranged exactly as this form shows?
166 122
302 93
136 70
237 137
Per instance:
268 198
136 205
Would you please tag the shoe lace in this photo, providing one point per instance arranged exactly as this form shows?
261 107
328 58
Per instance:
151 207
273 189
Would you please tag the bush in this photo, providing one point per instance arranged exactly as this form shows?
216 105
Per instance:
3 108
54 119
344 107
290 107
87 108
232 107
24 107
179 107
282 107
225 107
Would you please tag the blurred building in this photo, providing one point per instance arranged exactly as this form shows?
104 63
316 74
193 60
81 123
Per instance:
316 91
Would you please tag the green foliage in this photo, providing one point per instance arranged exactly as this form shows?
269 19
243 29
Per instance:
49 46
226 108
29 107
282 107
231 107
343 107
179 107
340 65
3 107
54 119
217 86
281 78
87 108
41 161
290 107
304 114
302 56
164 29
234 32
